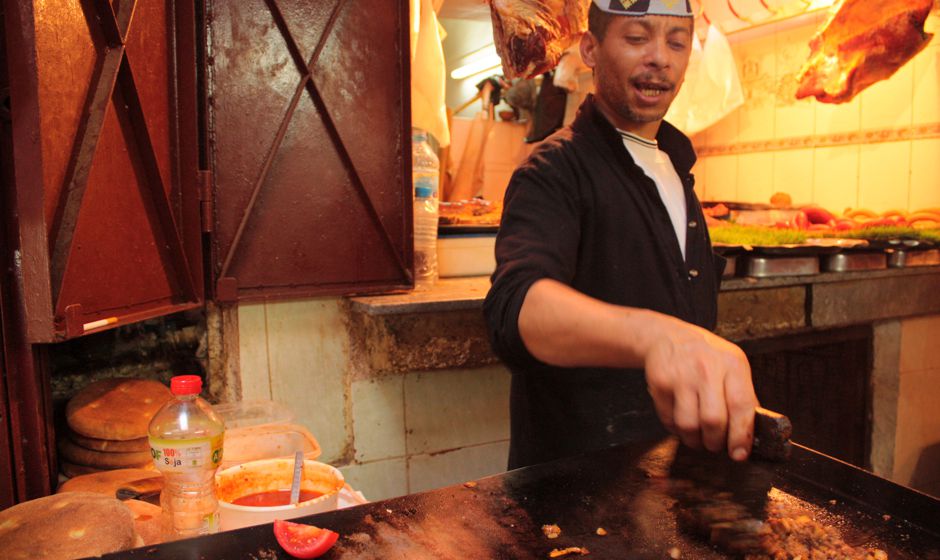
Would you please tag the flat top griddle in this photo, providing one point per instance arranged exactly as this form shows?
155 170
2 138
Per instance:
635 492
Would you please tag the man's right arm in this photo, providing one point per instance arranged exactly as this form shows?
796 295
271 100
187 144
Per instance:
700 382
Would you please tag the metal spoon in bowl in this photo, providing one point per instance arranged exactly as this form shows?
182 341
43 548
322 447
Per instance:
298 476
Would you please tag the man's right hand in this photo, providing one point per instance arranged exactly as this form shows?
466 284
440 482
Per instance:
700 382
701 386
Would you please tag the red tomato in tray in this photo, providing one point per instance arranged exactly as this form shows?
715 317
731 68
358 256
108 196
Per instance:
303 541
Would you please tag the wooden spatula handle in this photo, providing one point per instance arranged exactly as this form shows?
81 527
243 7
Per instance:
772 432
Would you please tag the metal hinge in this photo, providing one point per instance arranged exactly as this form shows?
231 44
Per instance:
205 200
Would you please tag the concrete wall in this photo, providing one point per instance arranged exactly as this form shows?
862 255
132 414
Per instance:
391 434
906 394
917 440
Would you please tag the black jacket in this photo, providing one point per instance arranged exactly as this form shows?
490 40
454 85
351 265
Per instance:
581 212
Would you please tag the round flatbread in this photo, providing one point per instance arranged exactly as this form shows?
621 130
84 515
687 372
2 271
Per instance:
110 445
81 456
71 470
116 409
108 482
67 526
146 520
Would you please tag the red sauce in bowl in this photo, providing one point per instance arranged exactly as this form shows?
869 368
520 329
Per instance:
273 498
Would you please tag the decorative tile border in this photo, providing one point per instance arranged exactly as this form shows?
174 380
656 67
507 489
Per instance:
918 132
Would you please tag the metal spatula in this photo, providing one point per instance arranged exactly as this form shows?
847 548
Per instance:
298 476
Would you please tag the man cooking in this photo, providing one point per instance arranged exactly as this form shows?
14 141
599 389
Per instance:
606 285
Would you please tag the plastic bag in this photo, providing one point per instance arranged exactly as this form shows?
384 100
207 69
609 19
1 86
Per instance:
428 110
570 65
712 88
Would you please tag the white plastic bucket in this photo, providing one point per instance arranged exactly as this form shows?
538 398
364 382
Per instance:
274 474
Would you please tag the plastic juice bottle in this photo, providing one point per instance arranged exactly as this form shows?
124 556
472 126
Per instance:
186 445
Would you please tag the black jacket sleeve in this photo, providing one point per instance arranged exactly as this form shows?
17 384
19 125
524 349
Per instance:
538 238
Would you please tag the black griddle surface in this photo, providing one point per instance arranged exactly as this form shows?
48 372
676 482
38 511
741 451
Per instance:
630 491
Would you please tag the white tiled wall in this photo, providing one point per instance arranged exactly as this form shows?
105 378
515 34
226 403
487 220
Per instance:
447 410
390 435
467 463
925 172
832 167
793 174
927 85
883 176
378 480
753 176
378 417
253 352
307 354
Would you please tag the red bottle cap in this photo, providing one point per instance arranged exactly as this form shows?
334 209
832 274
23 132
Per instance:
186 385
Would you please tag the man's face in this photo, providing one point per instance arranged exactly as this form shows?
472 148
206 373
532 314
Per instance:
638 67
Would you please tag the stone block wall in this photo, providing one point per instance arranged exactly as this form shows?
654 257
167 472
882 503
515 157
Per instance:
906 394
390 429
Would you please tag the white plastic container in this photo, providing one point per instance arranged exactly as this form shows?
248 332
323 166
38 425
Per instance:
274 474
466 255
267 441
240 414
263 429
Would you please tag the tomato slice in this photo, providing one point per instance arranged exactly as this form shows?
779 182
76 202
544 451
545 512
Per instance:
303 541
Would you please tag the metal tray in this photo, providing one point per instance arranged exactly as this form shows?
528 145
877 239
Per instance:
770 267
900 244
898 258
847 262
730 266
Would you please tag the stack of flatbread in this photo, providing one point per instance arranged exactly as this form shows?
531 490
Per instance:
107 423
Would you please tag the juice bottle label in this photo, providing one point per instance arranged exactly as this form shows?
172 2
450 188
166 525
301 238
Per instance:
175 454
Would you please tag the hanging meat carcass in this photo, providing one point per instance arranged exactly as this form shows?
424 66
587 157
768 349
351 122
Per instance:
863 42
531 35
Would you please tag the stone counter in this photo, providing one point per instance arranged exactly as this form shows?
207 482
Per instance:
442 327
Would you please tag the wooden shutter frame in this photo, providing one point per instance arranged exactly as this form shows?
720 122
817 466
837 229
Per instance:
226 287
44 256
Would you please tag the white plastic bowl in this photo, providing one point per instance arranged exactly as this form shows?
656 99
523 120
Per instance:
274 474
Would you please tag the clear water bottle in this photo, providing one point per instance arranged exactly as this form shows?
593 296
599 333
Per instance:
186 445
426 171
425 214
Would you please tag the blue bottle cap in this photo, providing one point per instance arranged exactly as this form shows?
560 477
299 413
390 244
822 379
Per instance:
423 192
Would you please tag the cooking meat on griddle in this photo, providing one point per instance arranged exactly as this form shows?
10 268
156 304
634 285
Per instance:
531 35
863 42
776 532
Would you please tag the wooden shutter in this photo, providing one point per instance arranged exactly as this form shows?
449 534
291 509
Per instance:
309 106
103 100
